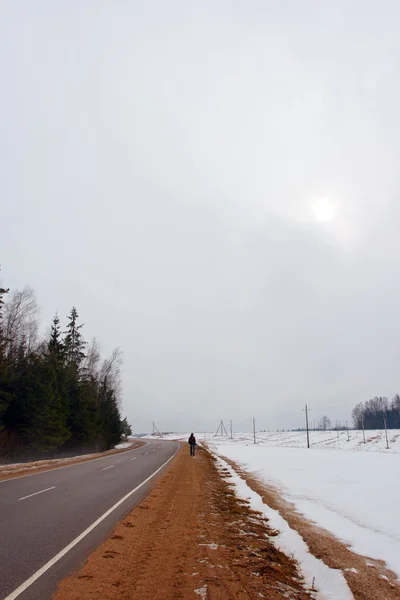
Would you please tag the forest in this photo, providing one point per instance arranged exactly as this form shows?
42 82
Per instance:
58 397
377 413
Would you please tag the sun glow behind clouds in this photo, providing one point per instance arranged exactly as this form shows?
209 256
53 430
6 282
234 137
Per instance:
324 210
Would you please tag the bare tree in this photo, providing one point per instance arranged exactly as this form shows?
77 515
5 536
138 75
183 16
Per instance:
358 415
20 320
325 423
396 403
110 372
92 358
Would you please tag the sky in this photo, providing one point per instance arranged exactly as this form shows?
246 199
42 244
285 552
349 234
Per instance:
215 187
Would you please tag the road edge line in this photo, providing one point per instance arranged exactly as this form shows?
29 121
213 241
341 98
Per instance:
28 582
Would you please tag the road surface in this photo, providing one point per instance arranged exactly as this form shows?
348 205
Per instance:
42 515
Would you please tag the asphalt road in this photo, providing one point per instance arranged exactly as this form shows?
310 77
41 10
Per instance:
42 514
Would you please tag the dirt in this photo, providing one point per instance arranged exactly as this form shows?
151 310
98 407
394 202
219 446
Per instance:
11 471
373 580
191 539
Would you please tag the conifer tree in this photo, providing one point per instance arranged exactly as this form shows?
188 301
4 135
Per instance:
5 371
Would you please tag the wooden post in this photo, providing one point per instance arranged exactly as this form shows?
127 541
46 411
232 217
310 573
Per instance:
308 434
384 420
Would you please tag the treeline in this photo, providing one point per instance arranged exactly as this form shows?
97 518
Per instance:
375 413
57 396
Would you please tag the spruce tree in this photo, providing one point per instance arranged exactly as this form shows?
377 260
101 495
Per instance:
5 367
38 409
82 397
74 344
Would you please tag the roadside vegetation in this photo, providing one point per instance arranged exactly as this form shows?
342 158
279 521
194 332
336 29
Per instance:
57 395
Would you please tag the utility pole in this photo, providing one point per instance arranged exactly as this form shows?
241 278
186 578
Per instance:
254 430
156 430
231 430
337 429
307 428
221 427
362 422
384 420
347 427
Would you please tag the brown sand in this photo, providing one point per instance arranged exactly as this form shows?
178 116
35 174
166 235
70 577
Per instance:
191 539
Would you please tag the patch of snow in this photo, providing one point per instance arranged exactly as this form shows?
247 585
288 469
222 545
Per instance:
123 445
331 583
352 570
202 592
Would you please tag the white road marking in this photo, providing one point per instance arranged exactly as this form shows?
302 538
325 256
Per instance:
36 493
24 586
146 452
134 458
105 468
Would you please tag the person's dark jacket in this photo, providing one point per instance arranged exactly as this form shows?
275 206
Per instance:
192 440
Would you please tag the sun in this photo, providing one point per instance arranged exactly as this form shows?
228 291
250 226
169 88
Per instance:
324 210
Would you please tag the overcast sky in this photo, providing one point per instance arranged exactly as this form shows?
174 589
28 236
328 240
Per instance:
215 186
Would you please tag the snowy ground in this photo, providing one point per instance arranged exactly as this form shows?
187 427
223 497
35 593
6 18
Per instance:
355 495
330 583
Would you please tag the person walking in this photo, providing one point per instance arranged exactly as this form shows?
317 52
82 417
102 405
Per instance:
192 443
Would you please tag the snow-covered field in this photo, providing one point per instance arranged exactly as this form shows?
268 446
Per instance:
330 583
375 440
354 495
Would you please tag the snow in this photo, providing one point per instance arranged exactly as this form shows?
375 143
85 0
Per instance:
354 494
202 592
329 583
124 445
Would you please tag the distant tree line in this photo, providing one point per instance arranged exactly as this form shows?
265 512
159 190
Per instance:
57 396
373 414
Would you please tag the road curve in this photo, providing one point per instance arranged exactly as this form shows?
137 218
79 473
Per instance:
51 517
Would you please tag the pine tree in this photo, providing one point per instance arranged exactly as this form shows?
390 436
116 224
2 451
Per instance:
74 344
5 371
82 420
55 346
38 410
55 355
126 429
110 417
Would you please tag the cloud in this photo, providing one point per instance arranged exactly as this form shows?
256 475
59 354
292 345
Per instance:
158 168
